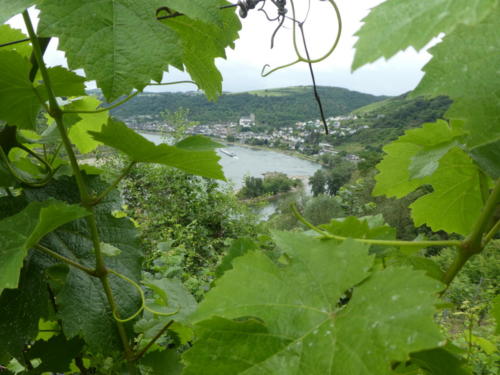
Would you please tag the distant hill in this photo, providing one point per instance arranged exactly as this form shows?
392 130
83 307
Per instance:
388 119
273 107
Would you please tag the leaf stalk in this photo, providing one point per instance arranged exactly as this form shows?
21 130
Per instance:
329 235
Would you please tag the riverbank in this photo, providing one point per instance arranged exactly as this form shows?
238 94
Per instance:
254 147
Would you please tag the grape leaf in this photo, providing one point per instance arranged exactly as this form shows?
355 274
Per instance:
203 163
9 8
20 232
93 321
456 202
197 143
472 80
8 34
118 43
65 82
239 247
354 227
203 10
82 123
170 297
19 104
487 156
21 309
164 362
202 43
440 362
414 150
56 354
292 318
398 24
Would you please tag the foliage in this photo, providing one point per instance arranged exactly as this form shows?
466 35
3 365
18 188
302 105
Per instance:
272 184
192 219
388 119
330 180
178 123
345 297
318 210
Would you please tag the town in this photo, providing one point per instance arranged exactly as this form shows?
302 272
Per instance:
299 137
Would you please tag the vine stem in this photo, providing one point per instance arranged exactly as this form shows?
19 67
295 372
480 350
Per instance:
110 188
62 258
329 235
474 243
492 232
153 340
56 113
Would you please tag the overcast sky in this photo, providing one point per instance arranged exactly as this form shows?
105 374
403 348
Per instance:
241 71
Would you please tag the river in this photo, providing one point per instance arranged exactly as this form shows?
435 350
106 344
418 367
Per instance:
256 162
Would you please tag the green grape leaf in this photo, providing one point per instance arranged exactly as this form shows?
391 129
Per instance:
202 43
298 315
21 310
198 143
354 227
456 202
472 81
426 161
19 104
487 156
414 151
239 247
440 361
495 313
125 47
64 83
82 123
203 10
398 24
93 322
9 8
202 163
417 262
20 232
164 362
56 354
109 250
172 296
8 34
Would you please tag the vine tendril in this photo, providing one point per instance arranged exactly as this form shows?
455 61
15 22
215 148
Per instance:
143 301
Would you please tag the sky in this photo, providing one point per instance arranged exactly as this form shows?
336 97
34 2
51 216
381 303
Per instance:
242 69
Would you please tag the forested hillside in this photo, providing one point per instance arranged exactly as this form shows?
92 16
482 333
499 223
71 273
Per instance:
276 107
388 119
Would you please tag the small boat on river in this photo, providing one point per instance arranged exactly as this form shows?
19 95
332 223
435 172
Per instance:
228 153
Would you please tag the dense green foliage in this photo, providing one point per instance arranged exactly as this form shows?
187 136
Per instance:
274 108
271 184
79 293
388 119
329 180
186 223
